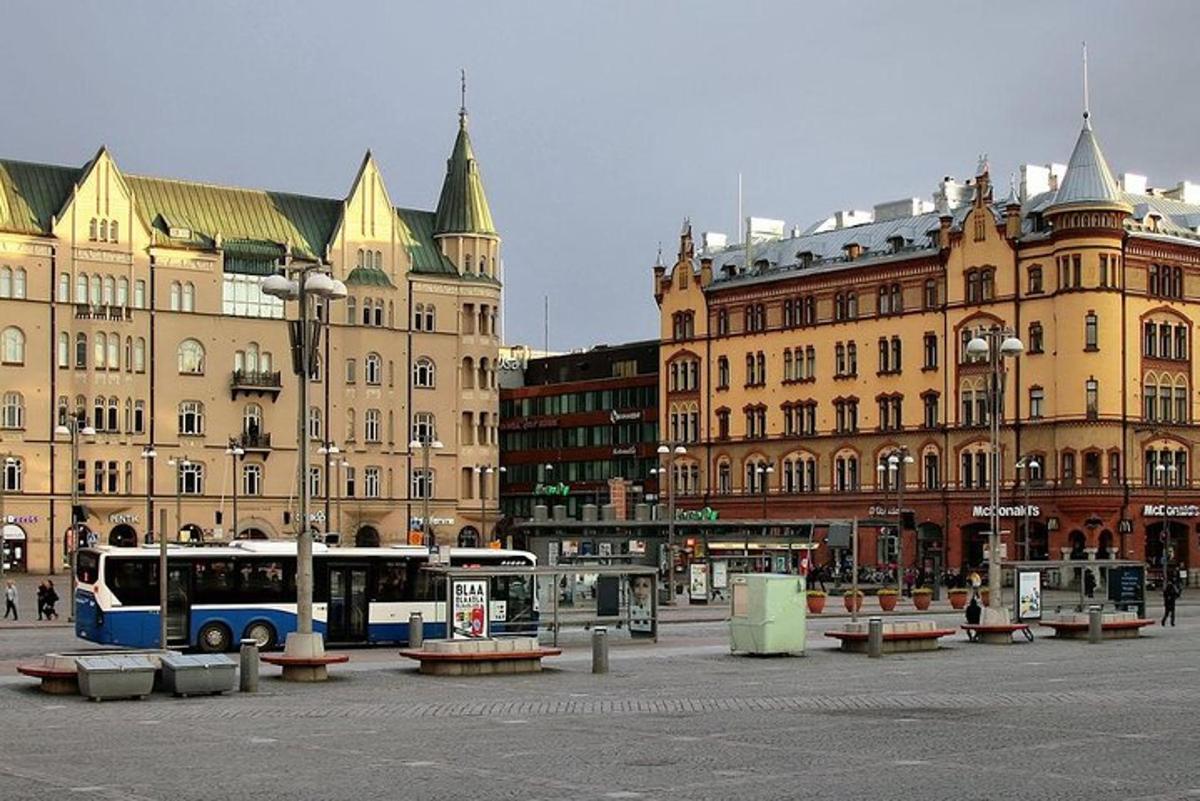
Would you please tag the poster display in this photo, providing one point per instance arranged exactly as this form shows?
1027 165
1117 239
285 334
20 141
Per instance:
469 609
499 611
698 584
720 575
641 610
1029 595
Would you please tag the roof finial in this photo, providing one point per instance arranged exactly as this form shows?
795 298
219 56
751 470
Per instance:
1087 113
658 261
462 106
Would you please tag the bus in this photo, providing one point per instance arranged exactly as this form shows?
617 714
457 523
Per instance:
220 594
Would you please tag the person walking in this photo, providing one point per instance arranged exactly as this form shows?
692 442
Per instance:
41 600
51 600
1170 595
10 600
1089 583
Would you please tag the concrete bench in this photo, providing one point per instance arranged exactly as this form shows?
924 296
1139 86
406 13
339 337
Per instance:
1113 626
57 677
996 633
481 657
899 636
305 668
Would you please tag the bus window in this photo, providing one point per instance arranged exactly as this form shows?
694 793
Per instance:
133 582
214 582
87 567
267 581
393 582
430 586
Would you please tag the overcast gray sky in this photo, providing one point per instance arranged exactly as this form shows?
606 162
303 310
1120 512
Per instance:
600 125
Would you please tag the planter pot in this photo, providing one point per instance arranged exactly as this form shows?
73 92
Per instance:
958 599
816 604
887 602
984 596
922 600
853 603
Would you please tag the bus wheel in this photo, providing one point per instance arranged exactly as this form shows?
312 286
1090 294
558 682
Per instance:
262 633
215 638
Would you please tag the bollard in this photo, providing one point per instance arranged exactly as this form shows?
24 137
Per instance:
248 669
416 631
1095 628
875 637
600 650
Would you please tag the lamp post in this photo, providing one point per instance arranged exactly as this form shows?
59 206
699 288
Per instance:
764 472
1029 468
163 581
73 428
484 471
235 452
341 463
330 452
149 455
672 453
302 283
9 461
1166 475
893 471
994 346
426 445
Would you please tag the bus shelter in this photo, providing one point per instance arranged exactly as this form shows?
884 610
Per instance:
1121 582
625 596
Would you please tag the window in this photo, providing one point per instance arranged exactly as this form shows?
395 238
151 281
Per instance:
81 288
1035 279
930 343
12 346
845 472
931 294
114 351
139 294
430 317
351 371
723 372
930 415
191 418
973 292
314 481
722 424
373 369
139 417
722 322
931 471
64 288
422 483
1091 332
315 427
107 291
1091 392
252 479
371 425
176 295
139 355
64 350
1037 402
189 297
424 373
81 351
12 410
1036 338
724 478
191 357
241 296
191 478
122 292
14 475
424 427
987 284
1068 467
348 474
6 282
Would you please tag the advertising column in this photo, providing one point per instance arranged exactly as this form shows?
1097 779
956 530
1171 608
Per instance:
469 609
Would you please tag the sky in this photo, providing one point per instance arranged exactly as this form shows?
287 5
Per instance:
599 126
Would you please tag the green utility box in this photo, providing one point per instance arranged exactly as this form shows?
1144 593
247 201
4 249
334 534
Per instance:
768 614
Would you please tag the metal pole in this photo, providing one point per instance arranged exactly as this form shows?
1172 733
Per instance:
4 520
236 477
163 578
1025 542
899 523
994 469
341 534
671 529
328 447
854 570
304 567
425 525
74 544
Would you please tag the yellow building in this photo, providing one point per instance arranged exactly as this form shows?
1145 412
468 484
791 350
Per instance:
796 367
134 303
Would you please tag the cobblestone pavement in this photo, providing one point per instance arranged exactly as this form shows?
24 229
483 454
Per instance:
680 720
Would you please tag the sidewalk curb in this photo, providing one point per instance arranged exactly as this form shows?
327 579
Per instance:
18 626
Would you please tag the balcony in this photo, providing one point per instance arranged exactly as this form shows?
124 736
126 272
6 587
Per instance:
255 442
110 313
256 382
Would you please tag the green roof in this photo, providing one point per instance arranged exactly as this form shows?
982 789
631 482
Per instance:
463 207
30 194
368 276
416 234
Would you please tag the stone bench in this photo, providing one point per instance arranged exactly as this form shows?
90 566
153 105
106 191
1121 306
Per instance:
305 668
899 636
1113 625
481 657
996 633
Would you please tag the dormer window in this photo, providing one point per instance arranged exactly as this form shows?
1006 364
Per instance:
853 250
805 257
729 270
896 243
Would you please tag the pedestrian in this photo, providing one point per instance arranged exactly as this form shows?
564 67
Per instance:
51 600
976 582
1089 583
10 600
1170 594
974 612
41 600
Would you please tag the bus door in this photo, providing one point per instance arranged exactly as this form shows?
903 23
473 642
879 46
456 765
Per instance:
179 601
348 603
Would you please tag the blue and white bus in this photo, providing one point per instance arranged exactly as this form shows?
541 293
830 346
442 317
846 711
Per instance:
220 594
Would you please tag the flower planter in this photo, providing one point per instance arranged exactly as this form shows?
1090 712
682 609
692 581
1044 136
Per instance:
887 600
922 599
958 599
853 603
984 596
816 603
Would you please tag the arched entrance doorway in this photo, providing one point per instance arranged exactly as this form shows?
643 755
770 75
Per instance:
974 543
1104 549
251 533
366 537
929 553
191 533
1039 541
1077 541
1175 540
13 540
122 536
468 537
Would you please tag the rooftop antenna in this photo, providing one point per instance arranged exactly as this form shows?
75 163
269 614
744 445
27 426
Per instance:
739 217
462 106
1087 113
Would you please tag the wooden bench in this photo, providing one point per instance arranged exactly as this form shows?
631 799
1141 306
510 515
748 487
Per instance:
893 641
56 680
305 668
1109 629
480 657
996 633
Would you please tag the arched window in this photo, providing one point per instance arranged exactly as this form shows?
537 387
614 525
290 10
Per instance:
12 411
359 258
468 373
103 230
351 310
64 288
95 294
378 317
191 418
92 228
107 291
12 345
176 295
189 297
122 292
114 351
484 378
64 349
81 351
81 288
424 373
430 317
845 471
191 357
112 232
315 427
100 351
6 282
14 474
252 479
373 369
128 354
139 355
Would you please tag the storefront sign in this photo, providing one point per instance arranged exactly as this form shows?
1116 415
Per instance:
883 511
118 519
21 520
1161 510
618 417
707 513
629 450
417 522
1018 510
552 489
526 423
469 609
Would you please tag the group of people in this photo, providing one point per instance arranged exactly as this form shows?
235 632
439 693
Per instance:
47 599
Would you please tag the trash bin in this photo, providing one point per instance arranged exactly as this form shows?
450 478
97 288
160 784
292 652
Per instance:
103 677
198 674
768 613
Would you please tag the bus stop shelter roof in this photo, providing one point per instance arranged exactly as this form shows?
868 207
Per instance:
548 570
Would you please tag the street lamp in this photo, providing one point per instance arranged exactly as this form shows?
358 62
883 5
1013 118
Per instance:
73 427
302 283
1028 462
340 489
330 452
893 472
483 471
764 471
672 454
149 455
994 346
163 581
235 452
9 461
1166 477
426 445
